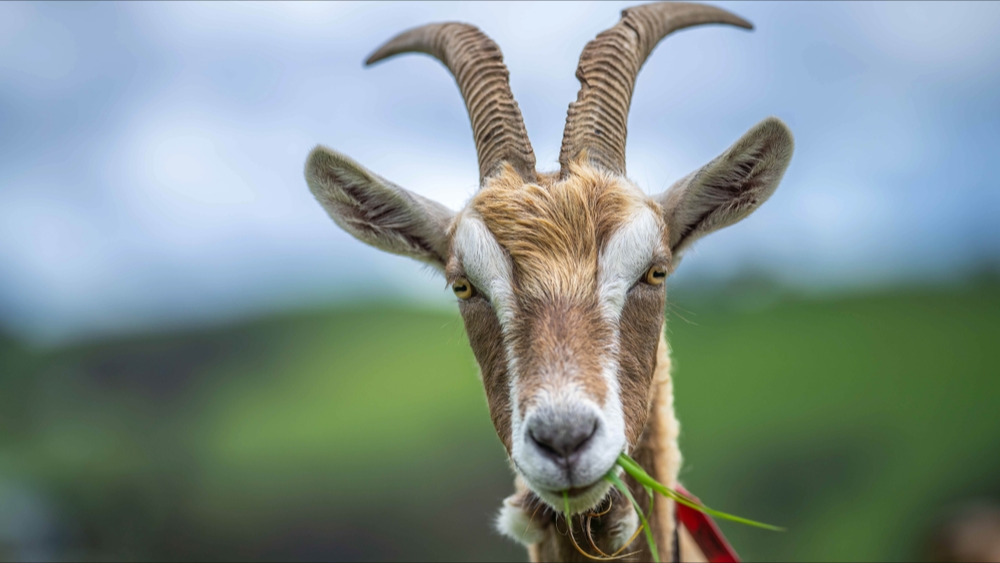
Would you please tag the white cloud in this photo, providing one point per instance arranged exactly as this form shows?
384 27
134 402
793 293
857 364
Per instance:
29 69
935 37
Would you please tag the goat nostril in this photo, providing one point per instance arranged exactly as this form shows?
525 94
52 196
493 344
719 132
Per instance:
561 442
590 435
543 445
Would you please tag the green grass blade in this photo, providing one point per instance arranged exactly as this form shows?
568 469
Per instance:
640 475
617 482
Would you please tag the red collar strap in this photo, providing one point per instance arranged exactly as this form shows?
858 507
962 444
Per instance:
706 534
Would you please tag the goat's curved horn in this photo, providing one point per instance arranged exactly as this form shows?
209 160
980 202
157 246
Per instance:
477 65
609 64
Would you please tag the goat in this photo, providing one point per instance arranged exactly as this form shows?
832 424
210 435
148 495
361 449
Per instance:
560 277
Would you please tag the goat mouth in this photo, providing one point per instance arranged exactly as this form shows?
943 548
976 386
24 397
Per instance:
573 492
580 498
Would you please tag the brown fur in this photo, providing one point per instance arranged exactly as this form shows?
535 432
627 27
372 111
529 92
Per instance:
560 342
487 343
641 328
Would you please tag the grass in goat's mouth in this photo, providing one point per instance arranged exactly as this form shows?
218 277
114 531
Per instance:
652 486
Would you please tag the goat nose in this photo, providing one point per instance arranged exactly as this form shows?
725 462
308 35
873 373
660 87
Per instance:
560 437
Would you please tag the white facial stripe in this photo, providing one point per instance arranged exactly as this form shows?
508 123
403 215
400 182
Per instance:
488 268
486 265
625 258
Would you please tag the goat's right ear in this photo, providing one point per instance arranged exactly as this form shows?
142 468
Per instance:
376 211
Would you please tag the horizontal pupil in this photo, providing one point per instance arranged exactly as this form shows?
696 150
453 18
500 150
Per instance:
659 274
459 288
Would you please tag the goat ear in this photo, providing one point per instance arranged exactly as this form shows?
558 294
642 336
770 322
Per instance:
376 211
730 187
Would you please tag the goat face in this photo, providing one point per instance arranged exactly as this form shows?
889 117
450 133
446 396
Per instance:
561 290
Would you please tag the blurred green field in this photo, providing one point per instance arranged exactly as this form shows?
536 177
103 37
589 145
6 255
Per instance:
362 433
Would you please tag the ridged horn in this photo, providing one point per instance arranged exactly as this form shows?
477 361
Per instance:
477 64
609 64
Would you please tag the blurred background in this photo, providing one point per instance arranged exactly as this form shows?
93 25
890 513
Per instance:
195 363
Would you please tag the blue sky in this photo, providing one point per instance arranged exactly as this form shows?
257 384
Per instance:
151 153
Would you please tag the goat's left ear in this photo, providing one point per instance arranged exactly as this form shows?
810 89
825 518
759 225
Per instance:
730 187
376 211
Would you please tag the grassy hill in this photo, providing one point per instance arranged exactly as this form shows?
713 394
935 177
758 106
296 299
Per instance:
362 433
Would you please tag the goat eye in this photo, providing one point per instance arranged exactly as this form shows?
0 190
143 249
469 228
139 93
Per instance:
656 275
462 288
